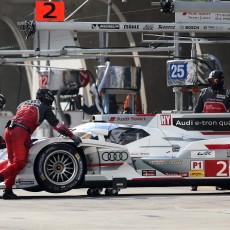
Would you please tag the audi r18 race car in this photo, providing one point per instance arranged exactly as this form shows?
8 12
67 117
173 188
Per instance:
128 150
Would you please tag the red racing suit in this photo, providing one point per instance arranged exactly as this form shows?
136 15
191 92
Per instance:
30 114
211 101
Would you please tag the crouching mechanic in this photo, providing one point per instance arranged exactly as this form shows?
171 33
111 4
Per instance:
214 99
30 114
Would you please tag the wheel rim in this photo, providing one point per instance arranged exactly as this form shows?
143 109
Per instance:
60 167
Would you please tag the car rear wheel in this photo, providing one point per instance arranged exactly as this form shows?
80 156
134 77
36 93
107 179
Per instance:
59 168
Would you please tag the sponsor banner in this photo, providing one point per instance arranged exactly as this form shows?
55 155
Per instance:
203 154
202 17
139 119
148 27
196 173
166 27
148 172
200 124
166 162
139 27
25 182
131 27
129 119
189 27
183 174
106 26
214 28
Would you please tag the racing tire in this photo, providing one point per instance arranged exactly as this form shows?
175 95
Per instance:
59 167
34 189
94 191
111 192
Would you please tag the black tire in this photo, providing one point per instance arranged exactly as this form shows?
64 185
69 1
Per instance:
59 167
34 189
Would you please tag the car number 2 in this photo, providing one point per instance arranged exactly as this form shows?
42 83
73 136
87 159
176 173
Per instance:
216 168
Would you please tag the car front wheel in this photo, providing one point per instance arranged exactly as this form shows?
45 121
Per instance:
59 168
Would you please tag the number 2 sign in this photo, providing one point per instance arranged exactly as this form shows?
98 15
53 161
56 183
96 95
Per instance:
216 168
50 11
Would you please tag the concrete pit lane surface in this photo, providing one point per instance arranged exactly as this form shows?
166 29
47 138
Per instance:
133 208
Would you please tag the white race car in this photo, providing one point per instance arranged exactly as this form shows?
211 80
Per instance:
127 150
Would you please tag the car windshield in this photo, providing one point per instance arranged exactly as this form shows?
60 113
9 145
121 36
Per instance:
124 135
117 134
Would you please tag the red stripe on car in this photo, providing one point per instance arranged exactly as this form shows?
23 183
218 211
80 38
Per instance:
217 146
215 133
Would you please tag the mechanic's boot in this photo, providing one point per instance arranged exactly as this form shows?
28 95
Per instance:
9 195
193 188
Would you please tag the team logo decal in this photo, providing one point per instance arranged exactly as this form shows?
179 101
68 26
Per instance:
203 154
114 156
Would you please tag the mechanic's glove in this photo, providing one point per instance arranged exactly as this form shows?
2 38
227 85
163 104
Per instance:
76 139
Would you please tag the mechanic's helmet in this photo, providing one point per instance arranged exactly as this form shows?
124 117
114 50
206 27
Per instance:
216 80
2 101
46 96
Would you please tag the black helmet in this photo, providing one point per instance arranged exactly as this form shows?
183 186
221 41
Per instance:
2 101
46 96
216 80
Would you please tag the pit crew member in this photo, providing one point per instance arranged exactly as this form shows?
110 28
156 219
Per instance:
30 114
215 98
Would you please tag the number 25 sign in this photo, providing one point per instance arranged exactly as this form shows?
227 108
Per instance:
50 11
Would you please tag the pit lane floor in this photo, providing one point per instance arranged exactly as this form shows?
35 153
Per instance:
134 208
